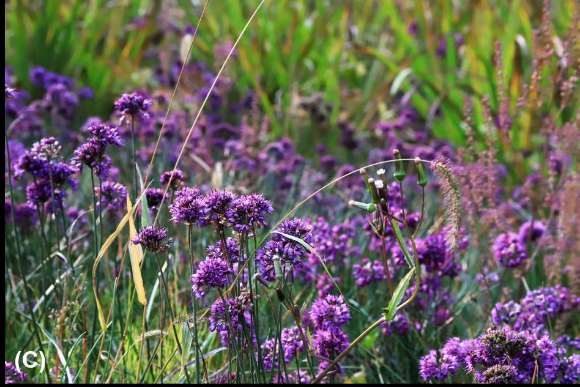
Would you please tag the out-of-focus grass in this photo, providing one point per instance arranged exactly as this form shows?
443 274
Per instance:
99 43
359 54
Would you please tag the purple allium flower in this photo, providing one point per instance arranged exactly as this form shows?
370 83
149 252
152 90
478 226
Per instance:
217 204
286 251
30 162
506 347
247 212
292 344
368 272
188 206
40 192
153 239
238 310
536 309
91 154
113 195
438 366
570 369
508 250
298 377
133 105
329 343
498 374
232 254
176 181
12 375
43 78
106 134
333 243
211 274
329 312
86 92
154 198
531 232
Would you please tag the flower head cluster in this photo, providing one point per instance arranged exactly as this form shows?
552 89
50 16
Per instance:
175 177
237 312
154 198
531 231
12 375
113 195
329 312
285 251
212 273
508 250
536 309
44 79
500 355
153 239
292 344
333 243
247 212
188 206
368 272
93 153
134 106
25 214
231 254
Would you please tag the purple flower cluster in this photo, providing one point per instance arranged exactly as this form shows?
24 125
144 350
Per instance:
113 195
231 254
368 272
508 250
501 355
93 152
222 209
134 106
536 309
286 252
12 375
329 312
236 313
212 273
291 345
176 177
153 239
247 212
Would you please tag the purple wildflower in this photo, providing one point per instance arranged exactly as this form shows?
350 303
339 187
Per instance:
368 272
508 250
12 375
531 232
106 134
287 252
217 204
133 105
329 312
188 206
247 212
175 176
232 254
154 198
211 274
329 343
113 195
152 238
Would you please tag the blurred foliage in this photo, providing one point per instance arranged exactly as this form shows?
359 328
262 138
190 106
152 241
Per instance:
359 54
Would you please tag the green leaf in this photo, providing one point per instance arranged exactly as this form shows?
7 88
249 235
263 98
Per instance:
391 310
399 79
